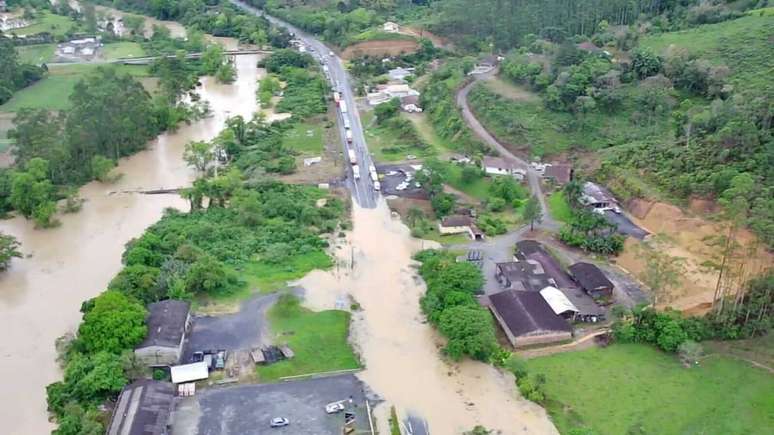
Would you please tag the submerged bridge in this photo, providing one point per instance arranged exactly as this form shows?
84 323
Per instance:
147 60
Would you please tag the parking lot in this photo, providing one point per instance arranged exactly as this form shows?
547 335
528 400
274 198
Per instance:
248 409
236 331
393 176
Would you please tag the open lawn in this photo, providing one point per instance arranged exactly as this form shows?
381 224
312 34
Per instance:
557 205
428 134
53 92
306 137
318 339
36 54
116 50
57 25
528 126
630 388
744 45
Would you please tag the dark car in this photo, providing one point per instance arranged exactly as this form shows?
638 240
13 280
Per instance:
220 359
197 356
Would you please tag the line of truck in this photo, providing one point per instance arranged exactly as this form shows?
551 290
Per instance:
351 154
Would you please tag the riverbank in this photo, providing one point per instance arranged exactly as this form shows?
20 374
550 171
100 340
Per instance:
40 296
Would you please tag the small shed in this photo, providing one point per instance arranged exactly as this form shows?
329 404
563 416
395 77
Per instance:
189 372
597 196
592 280
500 166
559 302
559 173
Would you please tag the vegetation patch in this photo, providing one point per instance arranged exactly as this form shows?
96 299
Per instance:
305 137
560 209
47 22
629 388
36 54
318 339
117 50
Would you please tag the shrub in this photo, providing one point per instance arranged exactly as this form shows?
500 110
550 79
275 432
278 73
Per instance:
114 323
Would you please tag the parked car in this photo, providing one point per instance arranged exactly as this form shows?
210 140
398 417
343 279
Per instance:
334 407
279 422
220 359
197 356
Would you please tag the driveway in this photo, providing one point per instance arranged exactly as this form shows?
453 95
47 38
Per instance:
625 225
247 409
533 178
236 331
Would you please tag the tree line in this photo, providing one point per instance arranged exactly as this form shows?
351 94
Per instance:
15 75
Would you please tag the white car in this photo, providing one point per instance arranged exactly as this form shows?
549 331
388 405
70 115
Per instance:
333 408
377 186
330 53
279 422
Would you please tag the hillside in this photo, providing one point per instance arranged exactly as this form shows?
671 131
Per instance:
744 45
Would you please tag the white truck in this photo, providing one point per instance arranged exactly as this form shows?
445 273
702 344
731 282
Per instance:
377 186
374 176
356 171
347 125
352 156
349 136
343 106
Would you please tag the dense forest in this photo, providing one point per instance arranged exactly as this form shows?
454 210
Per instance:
13 74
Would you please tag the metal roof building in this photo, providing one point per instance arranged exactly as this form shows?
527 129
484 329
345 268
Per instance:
559 302
143 408
527 319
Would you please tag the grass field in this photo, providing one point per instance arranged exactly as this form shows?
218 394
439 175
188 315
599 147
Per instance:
53 92
529 126
559 208
379 35
384 145
36 54
318 339
639 389
744 45
118 50
57 25
306 137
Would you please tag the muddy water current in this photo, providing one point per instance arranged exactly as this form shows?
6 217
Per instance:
400 351
40 295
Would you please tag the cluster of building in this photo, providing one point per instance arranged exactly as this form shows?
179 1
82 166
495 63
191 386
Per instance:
540 300
79 48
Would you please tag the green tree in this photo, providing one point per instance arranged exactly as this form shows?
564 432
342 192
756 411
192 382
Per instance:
470 174
645 63
9 248
533 212
101 167
469 330
198 155
209 276
387 110
114 323
138 281
443 204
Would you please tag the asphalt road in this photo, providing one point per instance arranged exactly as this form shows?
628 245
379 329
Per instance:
362 189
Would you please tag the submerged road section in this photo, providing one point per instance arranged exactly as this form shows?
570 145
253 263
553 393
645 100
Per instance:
362 187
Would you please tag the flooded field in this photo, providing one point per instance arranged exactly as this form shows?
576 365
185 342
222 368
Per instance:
40 295
400 351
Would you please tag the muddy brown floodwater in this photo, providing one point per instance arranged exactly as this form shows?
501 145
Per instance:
400 351
40 295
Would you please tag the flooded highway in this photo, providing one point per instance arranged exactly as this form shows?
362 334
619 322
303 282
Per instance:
40 296
401 353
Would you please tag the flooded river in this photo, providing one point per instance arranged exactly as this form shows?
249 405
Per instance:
40 295
401 352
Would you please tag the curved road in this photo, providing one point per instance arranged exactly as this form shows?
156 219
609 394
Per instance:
533 178
362 189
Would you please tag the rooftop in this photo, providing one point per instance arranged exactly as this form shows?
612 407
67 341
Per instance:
166 323
410 99
526 312
456 221
589 276
560 172
498 162
558 301
143 408
597 192
525 275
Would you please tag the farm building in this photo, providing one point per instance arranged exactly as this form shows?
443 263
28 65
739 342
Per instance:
591 280
400 74
168 322
391 27
459 224
533 250
143 408
524 275
559 173
527 319
500 166
559 303
597 196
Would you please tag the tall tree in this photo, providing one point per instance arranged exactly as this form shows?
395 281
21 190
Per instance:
9 248
532 212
